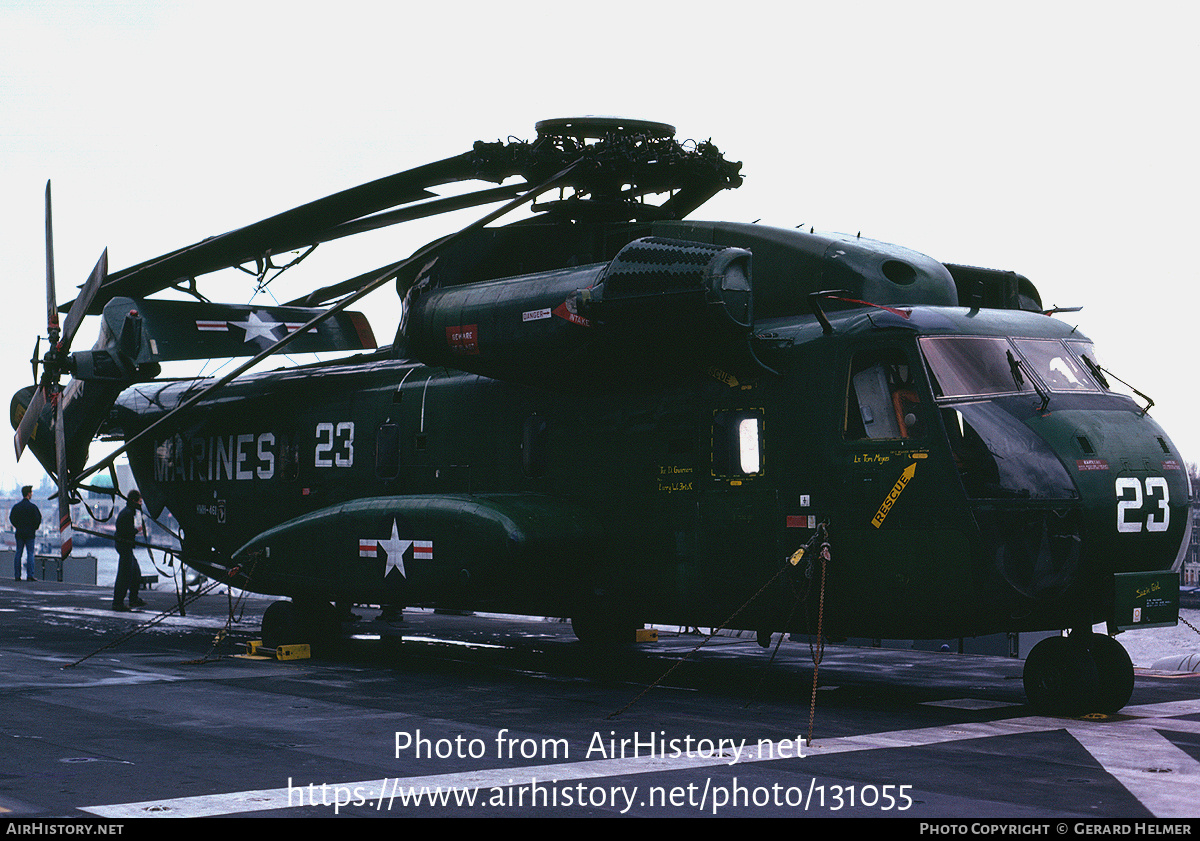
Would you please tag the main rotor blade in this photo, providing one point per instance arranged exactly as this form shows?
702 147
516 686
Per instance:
326 294
388 274
295 228
423 210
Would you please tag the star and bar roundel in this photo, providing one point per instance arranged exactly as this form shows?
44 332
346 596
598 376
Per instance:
394 549
256 326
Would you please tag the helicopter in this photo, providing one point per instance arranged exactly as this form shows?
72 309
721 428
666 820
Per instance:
610 412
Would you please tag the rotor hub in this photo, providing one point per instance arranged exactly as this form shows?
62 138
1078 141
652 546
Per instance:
597 128
618 165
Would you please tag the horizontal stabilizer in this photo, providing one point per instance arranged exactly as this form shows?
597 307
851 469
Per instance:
197 330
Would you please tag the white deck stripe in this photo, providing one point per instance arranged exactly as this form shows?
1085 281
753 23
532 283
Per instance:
1126 749
283 798
221 804
1162 777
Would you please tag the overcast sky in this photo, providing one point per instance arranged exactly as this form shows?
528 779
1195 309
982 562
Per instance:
1054 139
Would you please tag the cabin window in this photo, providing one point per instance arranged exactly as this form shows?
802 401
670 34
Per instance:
387 451
535 455
749 455
883 400
738 443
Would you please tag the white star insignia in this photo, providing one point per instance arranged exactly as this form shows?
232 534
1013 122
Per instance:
394 548
257 328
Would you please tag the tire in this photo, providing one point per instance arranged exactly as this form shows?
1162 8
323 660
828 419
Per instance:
1061 677
279 625
293 622
1043 676
1114 672
603 631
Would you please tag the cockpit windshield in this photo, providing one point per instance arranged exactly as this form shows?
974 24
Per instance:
998 456
973 366
987 366
1055 366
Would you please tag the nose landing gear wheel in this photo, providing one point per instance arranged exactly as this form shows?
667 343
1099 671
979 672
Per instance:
1076 675
1114 670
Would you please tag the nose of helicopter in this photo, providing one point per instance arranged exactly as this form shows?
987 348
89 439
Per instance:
1131 480
1128 514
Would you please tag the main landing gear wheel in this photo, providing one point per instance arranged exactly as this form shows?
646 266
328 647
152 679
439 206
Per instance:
279 625
1076 675
604 631
293 622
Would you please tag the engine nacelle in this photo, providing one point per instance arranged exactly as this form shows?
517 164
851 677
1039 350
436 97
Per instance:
658 299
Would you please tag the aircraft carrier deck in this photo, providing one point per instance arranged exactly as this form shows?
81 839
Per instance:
478 717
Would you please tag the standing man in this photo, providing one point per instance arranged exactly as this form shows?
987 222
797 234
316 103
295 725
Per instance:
25 518
129 574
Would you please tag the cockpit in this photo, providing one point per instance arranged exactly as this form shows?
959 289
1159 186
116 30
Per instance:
982 386
986 390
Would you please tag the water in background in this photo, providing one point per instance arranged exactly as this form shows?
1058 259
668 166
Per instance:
106 565
1149 645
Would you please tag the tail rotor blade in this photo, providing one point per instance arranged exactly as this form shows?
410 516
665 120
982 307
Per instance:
51 296
64 502
57 361
84 300
29 421
36 358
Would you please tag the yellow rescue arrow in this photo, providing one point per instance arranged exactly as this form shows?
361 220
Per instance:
897 489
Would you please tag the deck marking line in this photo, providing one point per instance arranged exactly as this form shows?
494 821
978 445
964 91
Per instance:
266 799
1111 743
1162 777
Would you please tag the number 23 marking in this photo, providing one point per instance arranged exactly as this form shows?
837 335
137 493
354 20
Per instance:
335 445
1129 498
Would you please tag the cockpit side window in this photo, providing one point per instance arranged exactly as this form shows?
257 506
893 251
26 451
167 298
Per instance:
1086 353
883 401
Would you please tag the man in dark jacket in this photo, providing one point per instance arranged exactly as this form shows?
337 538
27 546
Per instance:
25 518
129 575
